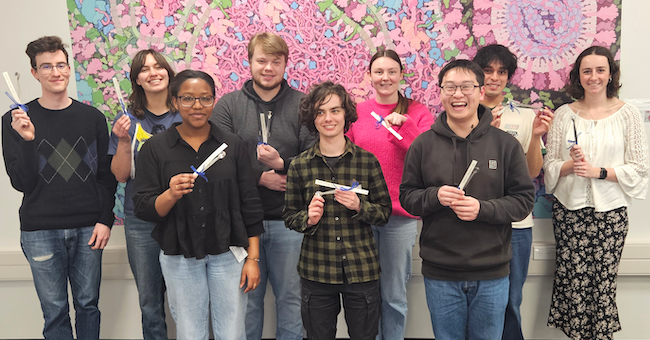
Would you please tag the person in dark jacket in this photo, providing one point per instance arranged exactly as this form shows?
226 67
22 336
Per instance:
264 113
465 241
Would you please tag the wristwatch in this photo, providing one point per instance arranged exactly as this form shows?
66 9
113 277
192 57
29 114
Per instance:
603 173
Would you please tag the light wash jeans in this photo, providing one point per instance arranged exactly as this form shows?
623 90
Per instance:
395 243
56 256
463 310
143 253
202 289
279 255
522 241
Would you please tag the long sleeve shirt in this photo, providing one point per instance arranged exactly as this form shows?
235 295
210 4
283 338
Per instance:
390 151
618 141
221 212
341 244
64 173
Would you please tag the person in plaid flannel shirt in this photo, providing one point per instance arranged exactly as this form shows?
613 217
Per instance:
338 255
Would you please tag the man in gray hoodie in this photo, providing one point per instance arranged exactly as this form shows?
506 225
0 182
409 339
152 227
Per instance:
264 113
466 231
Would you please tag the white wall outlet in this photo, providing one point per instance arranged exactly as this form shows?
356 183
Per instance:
544 253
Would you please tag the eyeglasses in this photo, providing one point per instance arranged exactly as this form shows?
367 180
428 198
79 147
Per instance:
48 68
465 89
188 101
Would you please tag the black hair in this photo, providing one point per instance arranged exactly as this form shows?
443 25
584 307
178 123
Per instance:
466 65
182 76
497 54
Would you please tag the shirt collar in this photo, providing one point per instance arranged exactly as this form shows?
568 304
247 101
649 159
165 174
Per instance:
173 137
349 149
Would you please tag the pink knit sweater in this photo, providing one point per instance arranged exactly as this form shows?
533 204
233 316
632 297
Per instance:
389 151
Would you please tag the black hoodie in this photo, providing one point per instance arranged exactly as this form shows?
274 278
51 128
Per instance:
452 249
239 113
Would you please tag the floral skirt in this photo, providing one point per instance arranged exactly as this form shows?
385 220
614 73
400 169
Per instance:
588 250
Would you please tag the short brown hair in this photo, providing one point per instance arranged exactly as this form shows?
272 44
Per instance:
310 104
270 43
50 43
575 90
137 98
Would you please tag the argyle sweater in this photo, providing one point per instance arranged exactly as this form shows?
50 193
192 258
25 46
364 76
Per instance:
64 173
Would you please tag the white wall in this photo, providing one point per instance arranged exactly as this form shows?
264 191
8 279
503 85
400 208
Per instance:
20 315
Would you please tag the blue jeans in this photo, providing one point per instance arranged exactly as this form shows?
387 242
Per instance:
143 253
467 309
279 255
56 256
395 243
522 240
202 289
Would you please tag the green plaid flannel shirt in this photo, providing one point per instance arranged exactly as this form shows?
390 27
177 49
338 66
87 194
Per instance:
342 242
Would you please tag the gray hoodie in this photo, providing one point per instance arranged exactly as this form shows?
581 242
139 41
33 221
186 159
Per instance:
239 113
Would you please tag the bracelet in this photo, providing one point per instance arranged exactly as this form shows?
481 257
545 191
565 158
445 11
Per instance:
254 259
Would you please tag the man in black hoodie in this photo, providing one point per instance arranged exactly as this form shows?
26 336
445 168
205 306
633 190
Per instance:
465 241
264 113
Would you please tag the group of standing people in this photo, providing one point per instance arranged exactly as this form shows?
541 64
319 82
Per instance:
213 234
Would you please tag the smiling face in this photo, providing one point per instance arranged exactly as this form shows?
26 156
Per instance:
153 77
267 70
330 118
594 74
55 81
385 75
461 107
496 79
197 115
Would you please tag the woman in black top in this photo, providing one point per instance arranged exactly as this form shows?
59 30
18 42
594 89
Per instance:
205 219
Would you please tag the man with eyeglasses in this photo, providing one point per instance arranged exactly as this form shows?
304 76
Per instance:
56 155
466 225
265 114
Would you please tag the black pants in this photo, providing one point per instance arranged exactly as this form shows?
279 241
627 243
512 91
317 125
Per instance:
321 304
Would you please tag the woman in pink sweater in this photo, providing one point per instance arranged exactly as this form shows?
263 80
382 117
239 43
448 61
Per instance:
396 239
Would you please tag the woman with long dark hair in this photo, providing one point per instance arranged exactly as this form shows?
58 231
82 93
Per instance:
150 111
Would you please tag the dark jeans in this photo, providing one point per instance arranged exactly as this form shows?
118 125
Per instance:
321 304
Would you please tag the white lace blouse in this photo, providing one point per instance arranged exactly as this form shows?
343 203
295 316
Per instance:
618 141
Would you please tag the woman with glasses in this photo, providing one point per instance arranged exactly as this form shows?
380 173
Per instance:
597 161
207 216
396 239
150 112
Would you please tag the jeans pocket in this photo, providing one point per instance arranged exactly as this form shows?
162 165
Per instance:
373 304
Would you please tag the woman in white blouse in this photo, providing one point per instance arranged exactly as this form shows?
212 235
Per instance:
597 161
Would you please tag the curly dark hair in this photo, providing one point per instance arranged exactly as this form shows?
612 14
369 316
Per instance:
317 96
499 54
574 88
50 43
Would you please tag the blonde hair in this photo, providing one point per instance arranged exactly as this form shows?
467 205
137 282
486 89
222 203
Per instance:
270 43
